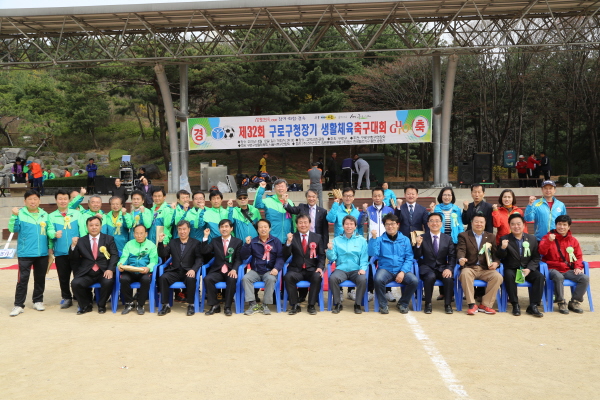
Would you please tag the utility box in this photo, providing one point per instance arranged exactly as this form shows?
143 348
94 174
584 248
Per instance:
376 164
203 176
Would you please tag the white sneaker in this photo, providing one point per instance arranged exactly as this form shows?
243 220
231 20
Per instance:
371 296
352 295
390 296
39 306
16 311
341 294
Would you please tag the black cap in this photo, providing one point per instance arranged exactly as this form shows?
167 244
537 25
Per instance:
240 193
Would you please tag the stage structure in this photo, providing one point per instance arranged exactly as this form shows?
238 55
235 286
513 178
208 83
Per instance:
157 33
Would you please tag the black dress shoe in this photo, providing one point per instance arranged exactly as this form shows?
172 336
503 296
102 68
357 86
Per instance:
533 310
337 308
66 303
84 310
190 310
164 310
516 310
301 299
228 311
101 310
213 310
357 309
294 309
127 309
312 310
140 309
448 309
428 308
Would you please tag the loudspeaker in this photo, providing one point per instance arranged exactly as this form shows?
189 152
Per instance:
482 167
465 172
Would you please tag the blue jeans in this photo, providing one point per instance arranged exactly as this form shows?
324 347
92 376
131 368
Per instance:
383 277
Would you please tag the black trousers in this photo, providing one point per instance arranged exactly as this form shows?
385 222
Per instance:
535 292
127 278
531 175
40 265
522 179
90 185
429 276
546 173
346 177
291 278
210 282
170 277
81 284
64 270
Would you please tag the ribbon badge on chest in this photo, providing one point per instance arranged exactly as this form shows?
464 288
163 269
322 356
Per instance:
571 252
67 222
229 256
105 252
267 252
526 251
313 250
454 219
118 225
42 228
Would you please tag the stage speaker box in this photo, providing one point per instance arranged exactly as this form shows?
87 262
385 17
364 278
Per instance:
482 167
465 172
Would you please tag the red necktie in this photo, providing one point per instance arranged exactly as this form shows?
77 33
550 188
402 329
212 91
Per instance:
95 253
224 267
304 248
63 214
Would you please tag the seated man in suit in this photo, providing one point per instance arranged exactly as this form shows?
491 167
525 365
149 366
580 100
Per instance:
226 250
520 250
95 258
474 265
139 252
394 258
349 251
267 261
436 254
186 261
308 259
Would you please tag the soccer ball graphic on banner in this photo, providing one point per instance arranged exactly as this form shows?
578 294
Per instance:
226 132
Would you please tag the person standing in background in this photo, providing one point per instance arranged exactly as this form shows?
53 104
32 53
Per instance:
545 165
315 174
332 172
91 169
262 166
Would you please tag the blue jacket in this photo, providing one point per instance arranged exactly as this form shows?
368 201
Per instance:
336 216
91 170
387 195
374 219
543 217
35 232
349 254
69 227
257 250
282 222
394 256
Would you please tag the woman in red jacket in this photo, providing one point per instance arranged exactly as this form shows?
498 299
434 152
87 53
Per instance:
532 164
500 214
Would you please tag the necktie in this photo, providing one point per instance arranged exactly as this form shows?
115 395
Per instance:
436 246
304 248
312 219
224 267
410 212
63 214
95 253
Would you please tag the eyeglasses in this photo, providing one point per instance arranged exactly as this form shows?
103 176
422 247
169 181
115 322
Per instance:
391 224
435 221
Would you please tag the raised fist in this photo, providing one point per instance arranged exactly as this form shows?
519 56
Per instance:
465 204
505 243
186 205
531 200
290 236
124 210
419 240
74 241
58 234
174 205
329 246
230 203
374 234
551 237
206 233
336 200
99 215
15 210
263 184
495 207
365 206
142 208
248 238
82 191
285 197
398 203
432 206
161 237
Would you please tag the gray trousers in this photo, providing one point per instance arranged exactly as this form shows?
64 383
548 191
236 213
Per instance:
558 278
269 280
319 190
338 276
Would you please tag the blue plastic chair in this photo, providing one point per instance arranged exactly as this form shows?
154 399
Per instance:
458 292
571 284
346 283
301 284
421 285
113 295
503 306
223 285
176 285
136 285
258 285
416 305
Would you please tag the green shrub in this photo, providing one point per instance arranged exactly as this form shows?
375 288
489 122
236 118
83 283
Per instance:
115 154
585 179
73 181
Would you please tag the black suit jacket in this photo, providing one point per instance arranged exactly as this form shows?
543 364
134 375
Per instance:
419 221
83 260
121 192
214 248
321 224
446 257
148 201
485 208
300 257
511 257
191 259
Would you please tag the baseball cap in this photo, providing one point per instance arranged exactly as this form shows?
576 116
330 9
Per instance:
240 193
521 156
551 183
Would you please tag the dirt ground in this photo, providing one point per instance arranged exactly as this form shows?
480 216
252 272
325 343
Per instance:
56 354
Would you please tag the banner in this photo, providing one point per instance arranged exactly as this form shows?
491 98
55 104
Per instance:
302 130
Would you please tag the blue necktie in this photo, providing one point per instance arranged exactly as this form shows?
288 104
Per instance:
410 212
436 246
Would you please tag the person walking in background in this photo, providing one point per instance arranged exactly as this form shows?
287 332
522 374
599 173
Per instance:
262 165
522 171
545 165
315 174
91 169
362 168
532 164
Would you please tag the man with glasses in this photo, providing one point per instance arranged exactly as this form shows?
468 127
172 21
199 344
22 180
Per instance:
339 211
244 217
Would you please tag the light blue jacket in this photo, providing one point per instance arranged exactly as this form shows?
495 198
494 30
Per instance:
394 256
387 195
336 216
543 217
282 222
349 254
